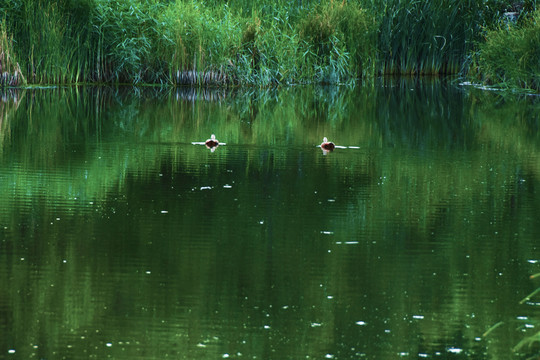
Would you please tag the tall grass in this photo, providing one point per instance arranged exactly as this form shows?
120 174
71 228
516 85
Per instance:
510 55
342 37
203 43
10 72
427 37
129 35
50 39
218 42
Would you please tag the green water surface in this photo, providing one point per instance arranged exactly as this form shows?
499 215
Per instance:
120 238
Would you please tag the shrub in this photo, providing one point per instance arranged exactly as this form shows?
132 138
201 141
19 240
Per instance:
509 56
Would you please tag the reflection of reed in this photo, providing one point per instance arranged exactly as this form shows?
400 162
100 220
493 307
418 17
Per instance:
9 102
11 95
206 78
206 94
7 79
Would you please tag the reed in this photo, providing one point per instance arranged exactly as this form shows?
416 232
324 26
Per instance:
131 41
50 38
203 43
509 56
340 37
269 52
224 43
10 72
426 37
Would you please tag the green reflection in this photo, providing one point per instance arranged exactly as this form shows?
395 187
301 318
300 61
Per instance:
119 237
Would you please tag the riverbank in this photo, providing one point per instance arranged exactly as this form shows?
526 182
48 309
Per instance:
239 42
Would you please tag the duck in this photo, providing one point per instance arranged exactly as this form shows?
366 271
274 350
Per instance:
327 145
212 142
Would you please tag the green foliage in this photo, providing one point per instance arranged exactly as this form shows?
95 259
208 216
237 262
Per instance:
269 52
530 345
202 37
509 56
425 37
50 38
129 33
260 42
342 24
323 40
10 72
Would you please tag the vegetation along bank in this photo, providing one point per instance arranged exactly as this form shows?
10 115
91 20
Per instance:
262 42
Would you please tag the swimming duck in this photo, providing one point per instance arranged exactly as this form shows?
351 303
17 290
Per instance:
327 145
212 142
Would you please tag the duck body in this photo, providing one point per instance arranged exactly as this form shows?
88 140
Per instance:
212 142
327 145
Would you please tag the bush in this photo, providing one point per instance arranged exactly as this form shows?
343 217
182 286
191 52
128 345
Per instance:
510 55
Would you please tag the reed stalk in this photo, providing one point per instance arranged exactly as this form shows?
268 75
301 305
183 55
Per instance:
10 71
224 43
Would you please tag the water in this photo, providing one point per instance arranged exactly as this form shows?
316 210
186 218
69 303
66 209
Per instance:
120 238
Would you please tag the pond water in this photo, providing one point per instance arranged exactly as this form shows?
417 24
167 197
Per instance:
415 238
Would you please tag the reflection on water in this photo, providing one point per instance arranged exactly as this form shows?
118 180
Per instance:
120 238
